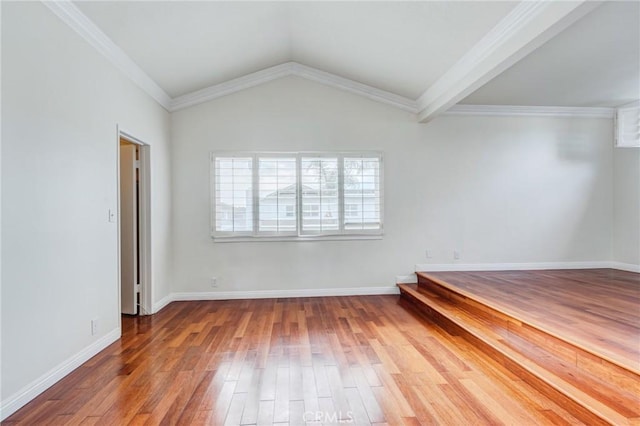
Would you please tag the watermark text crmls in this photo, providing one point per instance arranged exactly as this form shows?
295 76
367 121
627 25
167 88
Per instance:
328 417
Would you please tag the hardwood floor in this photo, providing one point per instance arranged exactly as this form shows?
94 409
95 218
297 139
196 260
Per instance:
598 309
337 360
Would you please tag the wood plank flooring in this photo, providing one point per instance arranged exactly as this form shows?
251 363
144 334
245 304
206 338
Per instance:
336 360
596 309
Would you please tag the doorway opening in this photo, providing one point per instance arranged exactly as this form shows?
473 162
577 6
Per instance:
133 226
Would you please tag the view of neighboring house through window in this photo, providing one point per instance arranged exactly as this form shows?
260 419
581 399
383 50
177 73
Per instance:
296 195
233 195
277 196
362 193
319 180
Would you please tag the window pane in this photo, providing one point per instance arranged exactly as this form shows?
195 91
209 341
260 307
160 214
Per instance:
320 206
234 194
277 194
361 193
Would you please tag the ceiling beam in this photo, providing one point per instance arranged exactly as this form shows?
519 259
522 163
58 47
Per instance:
524 29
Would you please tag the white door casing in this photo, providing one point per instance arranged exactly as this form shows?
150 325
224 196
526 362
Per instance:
128 230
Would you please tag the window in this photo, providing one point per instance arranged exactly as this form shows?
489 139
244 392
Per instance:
362 193
310 210
351 211
628 126
319 180
291 211
233 195
277 195
296 195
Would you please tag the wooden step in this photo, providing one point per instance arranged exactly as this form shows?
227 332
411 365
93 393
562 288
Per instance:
588 393
576 351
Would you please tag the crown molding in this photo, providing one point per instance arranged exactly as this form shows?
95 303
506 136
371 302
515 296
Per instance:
231 86
525 28
292 69
634 104
88 30
509 27
356 87
530 111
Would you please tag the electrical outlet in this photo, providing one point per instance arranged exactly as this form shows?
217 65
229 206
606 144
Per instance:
214 282
456 254
94 326
428 254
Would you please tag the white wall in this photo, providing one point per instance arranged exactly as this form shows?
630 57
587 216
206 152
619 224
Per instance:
61 102
626 207
498 189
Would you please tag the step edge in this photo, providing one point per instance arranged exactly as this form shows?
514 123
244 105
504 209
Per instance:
532 368
513 315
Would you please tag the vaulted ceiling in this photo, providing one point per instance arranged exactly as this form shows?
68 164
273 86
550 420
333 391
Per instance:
401 47
426 55
593 63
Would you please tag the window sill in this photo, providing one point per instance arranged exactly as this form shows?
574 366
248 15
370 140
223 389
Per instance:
249 239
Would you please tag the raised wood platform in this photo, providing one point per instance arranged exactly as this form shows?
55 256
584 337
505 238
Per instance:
574 335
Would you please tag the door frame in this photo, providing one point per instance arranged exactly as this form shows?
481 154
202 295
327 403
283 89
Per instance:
144 226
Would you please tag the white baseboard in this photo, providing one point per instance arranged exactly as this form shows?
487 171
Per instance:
13 403
441 267
400 279
444 267
630 267
406 279
274 294
162 303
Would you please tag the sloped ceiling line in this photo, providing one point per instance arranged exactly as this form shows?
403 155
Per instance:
530 111
231 86
288 69
355 87
87 29
525 28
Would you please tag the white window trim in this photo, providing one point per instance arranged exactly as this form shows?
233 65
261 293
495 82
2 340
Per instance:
257 236
626 112
212 191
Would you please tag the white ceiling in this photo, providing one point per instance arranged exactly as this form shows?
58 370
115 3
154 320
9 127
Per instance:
399 47
593 63
186 46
